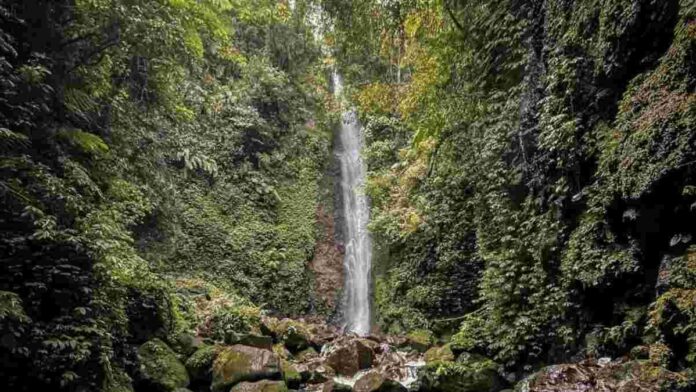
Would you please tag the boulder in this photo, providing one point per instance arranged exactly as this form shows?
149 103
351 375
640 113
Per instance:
160 370
260 386
316 372
439 354
374 381
200 364
250 339
243 363
306 355
350 355
419 340
184 344
295 335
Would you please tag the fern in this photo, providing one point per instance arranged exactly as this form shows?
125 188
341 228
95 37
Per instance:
78 101
88 142
10 140
198 162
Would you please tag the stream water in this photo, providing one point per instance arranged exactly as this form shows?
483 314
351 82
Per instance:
356 211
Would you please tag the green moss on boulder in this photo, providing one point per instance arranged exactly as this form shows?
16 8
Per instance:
439 354
160 369
243 363
295 335
420 340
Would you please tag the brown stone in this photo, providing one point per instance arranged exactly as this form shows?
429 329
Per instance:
351 355
374 381
243 363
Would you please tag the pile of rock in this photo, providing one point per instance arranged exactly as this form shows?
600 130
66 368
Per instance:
286 354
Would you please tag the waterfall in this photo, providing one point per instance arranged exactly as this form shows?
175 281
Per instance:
356 211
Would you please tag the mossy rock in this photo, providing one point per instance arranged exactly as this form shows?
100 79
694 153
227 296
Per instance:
374 381
420 340
250 339
160 370
184 343
295 335
306 354
439 354
200 364
243 363
291 375
260 386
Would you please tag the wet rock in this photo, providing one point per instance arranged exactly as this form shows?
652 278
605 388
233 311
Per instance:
396 365
260 386
374 381
160 370
350 355
243 363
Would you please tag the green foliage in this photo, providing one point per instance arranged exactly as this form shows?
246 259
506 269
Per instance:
543 173
144 139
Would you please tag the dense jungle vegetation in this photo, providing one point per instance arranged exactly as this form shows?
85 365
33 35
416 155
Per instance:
167 185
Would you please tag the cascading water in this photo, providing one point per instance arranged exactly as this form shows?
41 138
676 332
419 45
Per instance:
358 245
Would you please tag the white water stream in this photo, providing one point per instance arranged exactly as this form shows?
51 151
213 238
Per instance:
356 211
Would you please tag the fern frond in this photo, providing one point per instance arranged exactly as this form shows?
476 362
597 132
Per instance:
198 162
10 139
78 101
88 142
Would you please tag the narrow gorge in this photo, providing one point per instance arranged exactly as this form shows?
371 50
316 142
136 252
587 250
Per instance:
348 196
